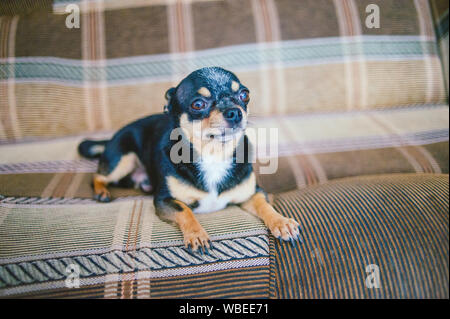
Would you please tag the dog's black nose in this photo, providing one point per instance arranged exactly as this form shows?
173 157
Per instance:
233 115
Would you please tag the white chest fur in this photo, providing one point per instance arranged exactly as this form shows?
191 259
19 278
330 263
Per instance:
214 172
210 200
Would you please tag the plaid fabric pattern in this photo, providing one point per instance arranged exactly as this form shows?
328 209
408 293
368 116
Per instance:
120 248
295 57
346 100
311 149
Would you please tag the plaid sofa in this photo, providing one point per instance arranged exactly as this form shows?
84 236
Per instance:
363 131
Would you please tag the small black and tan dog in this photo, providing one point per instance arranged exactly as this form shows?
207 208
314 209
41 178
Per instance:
146 153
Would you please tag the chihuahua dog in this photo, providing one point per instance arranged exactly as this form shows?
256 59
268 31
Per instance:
208 113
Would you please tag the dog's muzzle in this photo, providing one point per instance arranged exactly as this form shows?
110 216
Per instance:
233 116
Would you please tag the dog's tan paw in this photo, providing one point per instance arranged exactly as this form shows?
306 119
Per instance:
284 228
197 239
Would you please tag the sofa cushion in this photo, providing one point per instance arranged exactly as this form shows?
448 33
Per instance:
308 150
399 223
313 56
123 250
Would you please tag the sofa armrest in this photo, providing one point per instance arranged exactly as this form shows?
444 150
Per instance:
396 223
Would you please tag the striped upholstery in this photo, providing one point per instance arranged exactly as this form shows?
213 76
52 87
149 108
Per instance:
123 250
250 283
398 222
253 283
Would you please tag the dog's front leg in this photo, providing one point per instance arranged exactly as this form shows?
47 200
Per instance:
195 236
280 226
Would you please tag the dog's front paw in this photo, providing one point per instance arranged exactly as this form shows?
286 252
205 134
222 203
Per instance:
197 238
284 228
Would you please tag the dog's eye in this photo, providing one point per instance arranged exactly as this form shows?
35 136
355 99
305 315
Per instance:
198 104
244 96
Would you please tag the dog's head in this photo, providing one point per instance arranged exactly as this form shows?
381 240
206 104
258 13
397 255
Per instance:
213 97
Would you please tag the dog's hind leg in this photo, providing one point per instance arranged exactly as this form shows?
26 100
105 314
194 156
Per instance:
125 165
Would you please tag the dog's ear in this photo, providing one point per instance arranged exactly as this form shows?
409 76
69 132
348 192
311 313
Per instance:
169 95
